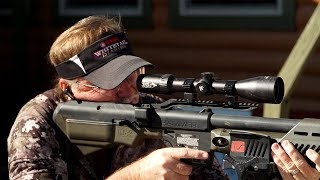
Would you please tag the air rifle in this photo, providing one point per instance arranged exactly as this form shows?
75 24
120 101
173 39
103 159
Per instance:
189 122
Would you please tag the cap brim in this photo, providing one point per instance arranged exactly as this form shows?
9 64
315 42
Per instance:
114 72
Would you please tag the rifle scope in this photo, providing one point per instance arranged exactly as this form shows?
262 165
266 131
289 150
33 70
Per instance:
262 89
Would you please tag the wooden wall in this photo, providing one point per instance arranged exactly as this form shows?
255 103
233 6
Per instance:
230 54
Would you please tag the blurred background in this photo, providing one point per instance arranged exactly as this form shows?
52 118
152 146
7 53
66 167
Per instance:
235 39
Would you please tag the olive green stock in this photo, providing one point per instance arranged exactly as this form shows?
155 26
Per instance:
91 136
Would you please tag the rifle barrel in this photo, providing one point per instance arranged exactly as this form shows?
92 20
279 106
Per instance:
253 123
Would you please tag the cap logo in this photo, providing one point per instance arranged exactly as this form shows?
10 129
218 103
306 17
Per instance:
111 48
109 41
96 55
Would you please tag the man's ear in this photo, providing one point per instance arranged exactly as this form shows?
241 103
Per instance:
63 84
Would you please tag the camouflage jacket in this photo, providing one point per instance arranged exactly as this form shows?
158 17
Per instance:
35 148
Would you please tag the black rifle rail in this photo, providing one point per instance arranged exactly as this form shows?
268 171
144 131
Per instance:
208 103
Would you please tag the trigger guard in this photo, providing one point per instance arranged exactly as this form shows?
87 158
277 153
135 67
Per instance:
169 140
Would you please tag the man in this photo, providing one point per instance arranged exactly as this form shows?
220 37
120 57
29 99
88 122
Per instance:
94 62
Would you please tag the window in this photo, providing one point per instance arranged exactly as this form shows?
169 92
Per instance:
233 14
6 8
6 12
134 13
20 15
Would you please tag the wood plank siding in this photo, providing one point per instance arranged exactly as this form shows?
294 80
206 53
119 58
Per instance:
229 53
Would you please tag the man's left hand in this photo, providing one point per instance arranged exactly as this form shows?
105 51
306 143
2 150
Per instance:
292 165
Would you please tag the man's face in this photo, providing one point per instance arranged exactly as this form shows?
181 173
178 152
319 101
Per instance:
126 92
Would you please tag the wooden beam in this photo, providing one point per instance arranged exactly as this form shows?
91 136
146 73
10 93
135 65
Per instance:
295 63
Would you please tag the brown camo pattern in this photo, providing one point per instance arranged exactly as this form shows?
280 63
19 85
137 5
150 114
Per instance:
34 150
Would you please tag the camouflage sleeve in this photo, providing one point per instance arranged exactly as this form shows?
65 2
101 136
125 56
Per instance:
33 151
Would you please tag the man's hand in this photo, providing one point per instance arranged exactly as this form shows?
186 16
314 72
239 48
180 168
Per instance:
162 164
291 163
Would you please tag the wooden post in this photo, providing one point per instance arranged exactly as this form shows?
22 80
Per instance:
295 63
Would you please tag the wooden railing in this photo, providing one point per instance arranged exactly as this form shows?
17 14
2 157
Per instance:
295 63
